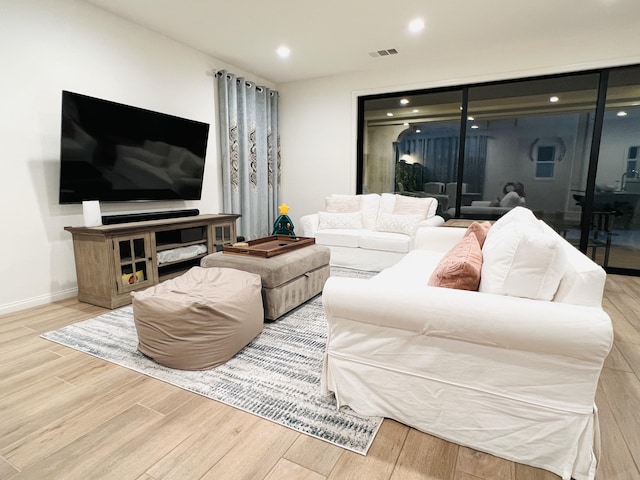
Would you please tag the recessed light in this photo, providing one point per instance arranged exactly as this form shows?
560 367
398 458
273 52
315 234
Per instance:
404 101
475 126
283 51
621 113
416 25
418 130
415 110
470 118
389 114
405 124
554 99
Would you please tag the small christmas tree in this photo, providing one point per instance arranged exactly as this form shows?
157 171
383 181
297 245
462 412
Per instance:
283 224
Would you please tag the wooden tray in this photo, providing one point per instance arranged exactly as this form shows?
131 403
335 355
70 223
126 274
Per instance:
270 246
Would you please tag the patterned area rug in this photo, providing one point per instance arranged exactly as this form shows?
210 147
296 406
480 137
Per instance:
276 377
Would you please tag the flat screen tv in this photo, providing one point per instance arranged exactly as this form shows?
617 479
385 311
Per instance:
114 153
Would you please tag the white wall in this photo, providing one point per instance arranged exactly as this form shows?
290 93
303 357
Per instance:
48 46
319 117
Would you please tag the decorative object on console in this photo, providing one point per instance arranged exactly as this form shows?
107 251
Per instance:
132 278
91 213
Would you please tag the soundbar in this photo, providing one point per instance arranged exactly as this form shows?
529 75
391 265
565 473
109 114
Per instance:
141 217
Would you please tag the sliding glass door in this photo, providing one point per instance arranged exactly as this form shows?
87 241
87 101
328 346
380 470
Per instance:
537 135
531 142
410 144
617 189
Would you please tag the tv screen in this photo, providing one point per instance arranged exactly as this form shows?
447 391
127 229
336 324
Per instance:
113 152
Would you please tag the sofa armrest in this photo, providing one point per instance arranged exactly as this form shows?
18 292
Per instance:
495 320
434 221
438 239
481 203
309 224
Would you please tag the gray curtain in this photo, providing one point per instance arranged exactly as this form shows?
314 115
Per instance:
441 160
250 153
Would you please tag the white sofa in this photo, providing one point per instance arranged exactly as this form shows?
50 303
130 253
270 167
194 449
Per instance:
508 375
371 231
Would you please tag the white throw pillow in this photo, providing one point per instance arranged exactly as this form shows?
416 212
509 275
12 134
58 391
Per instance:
407 224
415 206
343 203
521 259
328 220
513 215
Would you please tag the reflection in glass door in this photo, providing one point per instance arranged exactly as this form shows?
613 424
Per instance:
617 190
525 142
410 145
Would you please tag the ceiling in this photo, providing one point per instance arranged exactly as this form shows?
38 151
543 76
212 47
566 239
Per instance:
331 37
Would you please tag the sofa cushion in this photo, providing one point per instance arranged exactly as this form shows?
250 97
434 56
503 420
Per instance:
415 206
461 266
369 204
514 215
386 241
583 281
406 224
327 220
521 259
338 237
426 206
343 203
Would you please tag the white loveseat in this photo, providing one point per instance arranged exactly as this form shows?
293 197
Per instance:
371 231
511 376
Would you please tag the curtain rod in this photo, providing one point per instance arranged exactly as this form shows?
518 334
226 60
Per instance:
213 72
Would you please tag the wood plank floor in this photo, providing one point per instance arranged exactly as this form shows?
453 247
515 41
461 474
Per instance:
67 415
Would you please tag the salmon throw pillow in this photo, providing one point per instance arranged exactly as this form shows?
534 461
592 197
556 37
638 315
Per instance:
460 267
480 230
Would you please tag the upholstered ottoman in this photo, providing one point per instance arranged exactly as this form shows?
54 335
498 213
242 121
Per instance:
288 280
200 319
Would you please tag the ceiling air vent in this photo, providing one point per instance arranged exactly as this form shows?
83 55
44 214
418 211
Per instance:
383 53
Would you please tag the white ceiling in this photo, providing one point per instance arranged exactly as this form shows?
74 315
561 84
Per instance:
329 37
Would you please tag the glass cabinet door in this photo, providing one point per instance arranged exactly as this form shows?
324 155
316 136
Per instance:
224 234
133 262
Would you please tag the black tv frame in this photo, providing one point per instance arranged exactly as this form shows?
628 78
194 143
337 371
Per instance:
166 153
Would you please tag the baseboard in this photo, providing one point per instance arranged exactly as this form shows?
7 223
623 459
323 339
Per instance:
37 301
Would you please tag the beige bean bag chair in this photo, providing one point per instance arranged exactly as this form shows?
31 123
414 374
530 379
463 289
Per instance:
200 319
